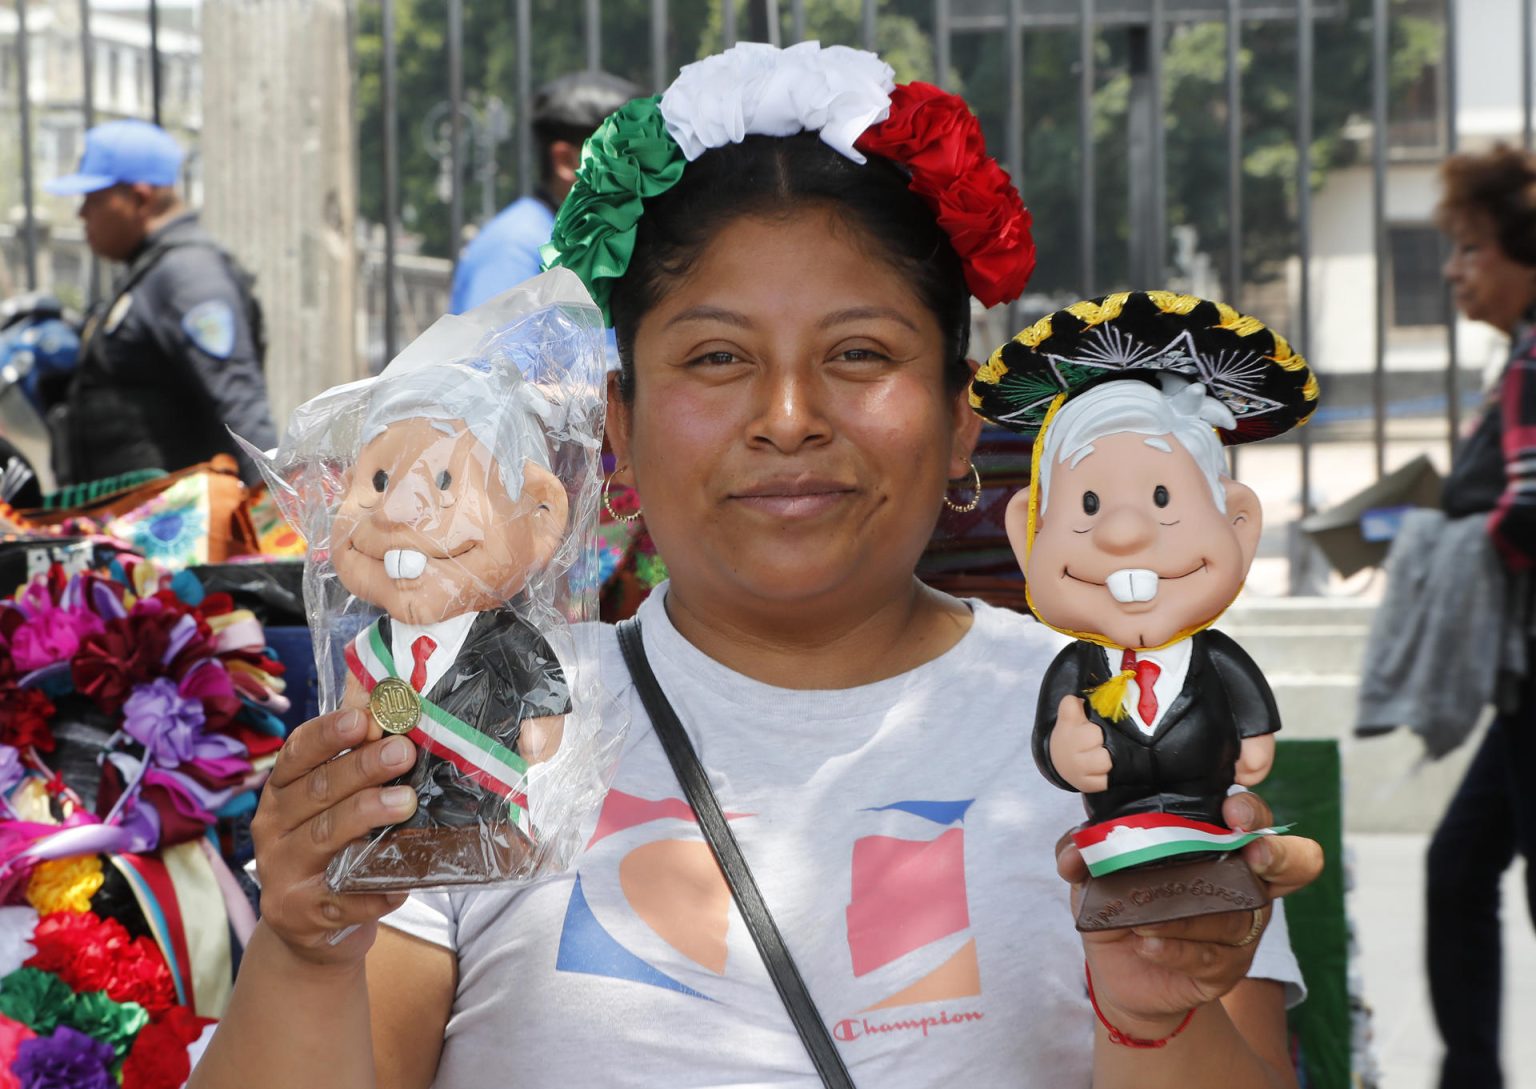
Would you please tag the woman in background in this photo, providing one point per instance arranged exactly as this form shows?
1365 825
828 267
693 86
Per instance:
1488 210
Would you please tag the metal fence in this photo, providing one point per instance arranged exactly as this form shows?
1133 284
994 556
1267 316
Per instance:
1142 27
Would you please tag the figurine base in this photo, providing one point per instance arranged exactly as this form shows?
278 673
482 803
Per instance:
420 858
1160 892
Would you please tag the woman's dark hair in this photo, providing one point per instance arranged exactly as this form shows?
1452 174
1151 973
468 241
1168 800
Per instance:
1499 185
773 176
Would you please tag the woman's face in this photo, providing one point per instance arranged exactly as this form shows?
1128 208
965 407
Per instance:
790 435
1486 284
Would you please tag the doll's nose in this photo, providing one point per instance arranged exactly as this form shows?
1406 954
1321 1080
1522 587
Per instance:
406 502
1123 530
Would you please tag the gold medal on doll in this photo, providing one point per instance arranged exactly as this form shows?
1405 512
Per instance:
395 706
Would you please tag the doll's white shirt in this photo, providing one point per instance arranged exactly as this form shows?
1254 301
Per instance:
449 635
901 836
1173 661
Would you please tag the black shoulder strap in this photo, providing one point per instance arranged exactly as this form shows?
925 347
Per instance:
770 943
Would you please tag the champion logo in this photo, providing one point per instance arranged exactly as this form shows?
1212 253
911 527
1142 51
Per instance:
855 1027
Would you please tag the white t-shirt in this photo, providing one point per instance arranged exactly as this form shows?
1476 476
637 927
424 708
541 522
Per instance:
902 838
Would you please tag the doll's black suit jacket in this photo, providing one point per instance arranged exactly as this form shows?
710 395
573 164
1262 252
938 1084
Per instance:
505 672
1187 765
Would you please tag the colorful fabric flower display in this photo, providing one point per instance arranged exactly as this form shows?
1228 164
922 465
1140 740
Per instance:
182 682
850 98
137 713
90 1006
1240 361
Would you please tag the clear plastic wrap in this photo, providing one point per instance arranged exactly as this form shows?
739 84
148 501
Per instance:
450 507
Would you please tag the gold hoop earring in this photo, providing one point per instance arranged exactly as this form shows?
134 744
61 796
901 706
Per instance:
966 508
607 506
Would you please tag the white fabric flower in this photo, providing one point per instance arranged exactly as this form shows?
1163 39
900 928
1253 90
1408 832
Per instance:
16 927
758 89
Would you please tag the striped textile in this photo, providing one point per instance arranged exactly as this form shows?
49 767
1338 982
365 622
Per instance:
1147 837
478 756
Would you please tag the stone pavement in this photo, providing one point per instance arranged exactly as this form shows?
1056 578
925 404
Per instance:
1387 906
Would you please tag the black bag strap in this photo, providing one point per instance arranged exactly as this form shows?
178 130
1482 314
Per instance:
706 807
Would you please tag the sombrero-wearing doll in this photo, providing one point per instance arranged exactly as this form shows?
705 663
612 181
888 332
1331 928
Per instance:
1134 540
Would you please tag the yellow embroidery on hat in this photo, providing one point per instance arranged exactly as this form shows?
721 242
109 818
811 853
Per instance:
1171 302
1091 313
1241 324
993 369
1036 333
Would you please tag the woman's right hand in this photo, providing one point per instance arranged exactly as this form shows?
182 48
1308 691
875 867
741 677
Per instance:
319 798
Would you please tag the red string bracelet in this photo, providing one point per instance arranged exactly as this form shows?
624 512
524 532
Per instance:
1121 1038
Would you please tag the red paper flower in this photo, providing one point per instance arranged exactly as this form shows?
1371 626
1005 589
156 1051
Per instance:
24 715
108 665
78 947
159 1056
94 954
139 974
936 137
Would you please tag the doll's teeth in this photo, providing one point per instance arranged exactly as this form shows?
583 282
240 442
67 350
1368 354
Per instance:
1132 584
404 563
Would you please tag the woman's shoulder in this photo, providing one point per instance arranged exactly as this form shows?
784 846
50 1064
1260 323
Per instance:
994 625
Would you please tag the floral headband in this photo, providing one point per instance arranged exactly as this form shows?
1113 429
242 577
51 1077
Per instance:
851 99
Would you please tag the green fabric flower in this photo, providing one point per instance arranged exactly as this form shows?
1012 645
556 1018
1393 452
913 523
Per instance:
630 158
115 1023
38 999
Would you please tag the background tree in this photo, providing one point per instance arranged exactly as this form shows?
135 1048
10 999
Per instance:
1194 109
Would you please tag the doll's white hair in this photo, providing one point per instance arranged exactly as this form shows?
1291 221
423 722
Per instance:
1181 408
502 411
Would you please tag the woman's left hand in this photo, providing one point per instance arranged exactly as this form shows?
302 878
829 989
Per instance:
1147 978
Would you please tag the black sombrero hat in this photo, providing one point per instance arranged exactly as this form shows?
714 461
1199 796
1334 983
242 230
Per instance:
1240 361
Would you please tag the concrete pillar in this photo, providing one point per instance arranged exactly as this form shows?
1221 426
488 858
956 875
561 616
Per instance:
279 167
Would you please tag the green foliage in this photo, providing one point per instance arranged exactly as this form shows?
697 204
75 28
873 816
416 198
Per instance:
899 38
1195 117
559 46
1194 69
490 69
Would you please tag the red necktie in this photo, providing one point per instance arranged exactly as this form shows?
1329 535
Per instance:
1146 677
421 650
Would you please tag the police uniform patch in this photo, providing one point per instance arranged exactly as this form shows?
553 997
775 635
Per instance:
211 326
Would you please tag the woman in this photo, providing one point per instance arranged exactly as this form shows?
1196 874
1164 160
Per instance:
1489 211
793 323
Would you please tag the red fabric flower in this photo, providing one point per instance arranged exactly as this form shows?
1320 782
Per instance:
78 947
158 1059
140 975
161 613
24 715
109 664
929 131
209 683
94 954
936 137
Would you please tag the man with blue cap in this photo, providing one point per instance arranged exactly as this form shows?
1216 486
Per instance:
172 359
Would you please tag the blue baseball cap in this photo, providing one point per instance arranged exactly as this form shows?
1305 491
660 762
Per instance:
120 152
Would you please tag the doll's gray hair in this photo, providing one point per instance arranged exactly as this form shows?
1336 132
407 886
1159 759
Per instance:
1181 408
504 413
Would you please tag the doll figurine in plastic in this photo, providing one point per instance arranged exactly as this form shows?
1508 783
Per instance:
1134 540
450 509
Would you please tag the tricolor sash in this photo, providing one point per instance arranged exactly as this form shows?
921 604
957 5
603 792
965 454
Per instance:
1146 837
476 754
